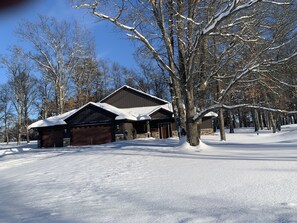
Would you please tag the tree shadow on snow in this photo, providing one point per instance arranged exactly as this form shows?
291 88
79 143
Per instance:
214 151
184 208
17 207
169 148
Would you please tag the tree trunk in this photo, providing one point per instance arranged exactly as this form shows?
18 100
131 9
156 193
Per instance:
179 112
19 125
244 118
268 120
6 129
26 122
221 114
264 118
61 100
192 131
80 101
45 110
278 123
273 122
240 118
28 135
199 123
59 94
222 125
231 122
260 115
256 120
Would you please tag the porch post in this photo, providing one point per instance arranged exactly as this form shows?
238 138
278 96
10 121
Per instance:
160 131
148 128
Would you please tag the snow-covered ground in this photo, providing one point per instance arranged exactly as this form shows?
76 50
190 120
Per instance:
249 178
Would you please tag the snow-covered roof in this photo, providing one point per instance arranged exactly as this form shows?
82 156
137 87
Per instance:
52 121
121 115
143 113
211 114
133 114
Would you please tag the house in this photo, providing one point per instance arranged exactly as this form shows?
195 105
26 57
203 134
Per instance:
127 113
207 125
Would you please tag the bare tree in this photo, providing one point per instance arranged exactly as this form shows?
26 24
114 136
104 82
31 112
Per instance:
175 32
44 98
116 72
56 49
101 84
122 75
22 87
5 109
154 78
83 75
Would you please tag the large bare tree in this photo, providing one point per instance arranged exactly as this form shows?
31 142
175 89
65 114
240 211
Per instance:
5 109
57 47
176 33
22 87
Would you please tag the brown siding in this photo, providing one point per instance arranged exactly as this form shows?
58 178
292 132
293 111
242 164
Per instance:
91 135
91 115
161 114
129 98
206 123
51 137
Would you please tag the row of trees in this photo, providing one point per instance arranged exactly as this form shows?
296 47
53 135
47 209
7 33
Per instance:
218 54
62 54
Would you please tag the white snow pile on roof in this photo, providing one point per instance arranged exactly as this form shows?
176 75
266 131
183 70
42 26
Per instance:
135 114
52 121
211 114
143 113
117 111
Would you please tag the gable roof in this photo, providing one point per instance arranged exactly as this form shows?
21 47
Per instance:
133 114
52 121
143 113
106 107
135 98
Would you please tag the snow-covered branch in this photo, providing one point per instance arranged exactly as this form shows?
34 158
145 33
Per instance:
217 106
188 19
233 35
135 33
281 82
230 9
276 3
281 60
238 77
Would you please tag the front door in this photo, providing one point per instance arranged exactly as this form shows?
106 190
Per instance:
165 130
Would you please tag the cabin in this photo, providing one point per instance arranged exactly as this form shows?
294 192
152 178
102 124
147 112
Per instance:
125 114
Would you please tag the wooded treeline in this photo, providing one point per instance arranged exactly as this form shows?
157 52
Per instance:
237 58
59 72
215 52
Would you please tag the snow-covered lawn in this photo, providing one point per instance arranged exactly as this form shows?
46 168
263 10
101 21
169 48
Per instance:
249 178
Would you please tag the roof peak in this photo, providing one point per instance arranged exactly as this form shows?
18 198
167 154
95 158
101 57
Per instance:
134 89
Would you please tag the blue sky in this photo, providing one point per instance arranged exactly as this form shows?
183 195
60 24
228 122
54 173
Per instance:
110 44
